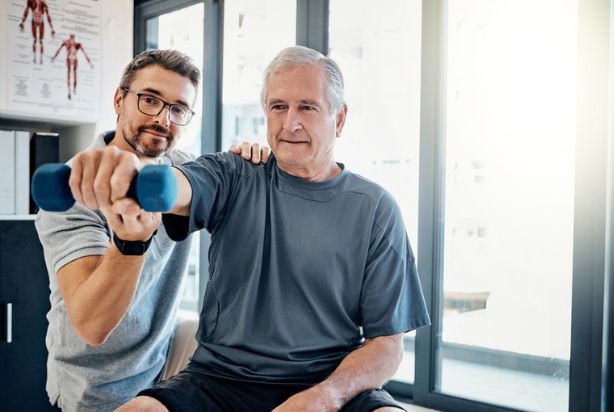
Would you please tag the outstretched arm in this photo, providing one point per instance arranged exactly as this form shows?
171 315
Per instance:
249 151
58 51
368 367
86 56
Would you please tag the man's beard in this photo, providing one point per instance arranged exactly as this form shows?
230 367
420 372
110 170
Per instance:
137 146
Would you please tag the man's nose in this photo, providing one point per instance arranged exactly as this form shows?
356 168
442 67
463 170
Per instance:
164 117
292 121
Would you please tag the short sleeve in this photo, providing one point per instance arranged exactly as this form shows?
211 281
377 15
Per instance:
210 177
70 235
392 301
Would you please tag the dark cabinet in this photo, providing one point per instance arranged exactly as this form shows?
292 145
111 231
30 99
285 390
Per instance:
24 303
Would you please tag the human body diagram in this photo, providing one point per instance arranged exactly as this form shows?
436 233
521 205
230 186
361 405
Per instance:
72 63
39 10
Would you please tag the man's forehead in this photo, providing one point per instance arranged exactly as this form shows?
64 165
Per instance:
305 82
164 83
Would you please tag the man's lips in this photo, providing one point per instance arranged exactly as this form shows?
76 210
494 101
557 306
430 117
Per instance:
158 134
293 141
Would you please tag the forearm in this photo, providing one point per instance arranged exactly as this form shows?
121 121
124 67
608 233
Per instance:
57 52
100 301
86 56
368 367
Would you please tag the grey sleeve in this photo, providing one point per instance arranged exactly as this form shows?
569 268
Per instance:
70 235
392 300
211 178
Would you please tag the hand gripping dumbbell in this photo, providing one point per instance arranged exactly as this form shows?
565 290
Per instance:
154 188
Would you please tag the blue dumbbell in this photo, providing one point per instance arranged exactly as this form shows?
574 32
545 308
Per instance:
154 188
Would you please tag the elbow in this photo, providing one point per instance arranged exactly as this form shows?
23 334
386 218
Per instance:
395 351
399 353
93 339
93 336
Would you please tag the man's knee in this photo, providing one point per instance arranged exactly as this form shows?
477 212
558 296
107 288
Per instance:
143 403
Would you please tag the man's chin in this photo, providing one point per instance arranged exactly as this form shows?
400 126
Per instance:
153 153
156 148
149 151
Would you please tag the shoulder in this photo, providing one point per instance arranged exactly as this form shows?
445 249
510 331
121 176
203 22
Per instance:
225 165
231 162
374 191
386 208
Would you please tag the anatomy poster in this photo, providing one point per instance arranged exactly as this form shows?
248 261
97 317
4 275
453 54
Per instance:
54 57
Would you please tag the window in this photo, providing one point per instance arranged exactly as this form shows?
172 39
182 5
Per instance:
254 32
377 46
509 202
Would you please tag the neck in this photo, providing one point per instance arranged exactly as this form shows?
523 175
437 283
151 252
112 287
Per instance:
322 174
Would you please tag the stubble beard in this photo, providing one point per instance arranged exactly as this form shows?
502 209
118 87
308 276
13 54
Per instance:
134 141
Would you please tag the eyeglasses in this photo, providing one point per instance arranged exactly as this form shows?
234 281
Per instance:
179 114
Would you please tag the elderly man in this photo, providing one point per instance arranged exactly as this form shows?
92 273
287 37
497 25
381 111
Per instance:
312 278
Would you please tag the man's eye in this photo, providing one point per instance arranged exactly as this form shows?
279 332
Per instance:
277 107
149 100
179 110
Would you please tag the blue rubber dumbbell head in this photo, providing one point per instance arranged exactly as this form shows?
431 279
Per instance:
50 189
155 188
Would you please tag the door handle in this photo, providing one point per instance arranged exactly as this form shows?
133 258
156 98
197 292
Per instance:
6 322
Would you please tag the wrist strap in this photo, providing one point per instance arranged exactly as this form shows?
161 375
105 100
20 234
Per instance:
132 247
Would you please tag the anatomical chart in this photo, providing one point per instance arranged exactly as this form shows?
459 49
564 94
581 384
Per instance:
54 57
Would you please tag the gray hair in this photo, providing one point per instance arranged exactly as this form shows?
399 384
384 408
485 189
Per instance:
172 60
299 56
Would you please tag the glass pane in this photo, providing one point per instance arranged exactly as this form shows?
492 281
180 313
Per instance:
254 32
183 30
509 190
377 46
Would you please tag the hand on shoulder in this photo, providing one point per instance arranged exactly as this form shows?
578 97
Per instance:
252 151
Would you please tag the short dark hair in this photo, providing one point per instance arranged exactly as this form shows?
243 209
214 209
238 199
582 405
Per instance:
172 60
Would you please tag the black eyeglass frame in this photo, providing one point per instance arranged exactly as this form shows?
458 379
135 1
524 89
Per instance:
164 105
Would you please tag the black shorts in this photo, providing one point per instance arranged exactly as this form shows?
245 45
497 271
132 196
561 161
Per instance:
192 391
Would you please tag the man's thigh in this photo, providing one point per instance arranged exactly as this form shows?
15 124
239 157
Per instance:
193 391
370 400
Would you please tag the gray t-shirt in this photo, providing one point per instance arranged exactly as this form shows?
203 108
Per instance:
300 273
79 376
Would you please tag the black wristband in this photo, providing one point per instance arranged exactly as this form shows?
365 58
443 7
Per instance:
132 247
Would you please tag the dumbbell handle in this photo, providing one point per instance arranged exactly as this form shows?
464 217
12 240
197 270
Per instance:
154 188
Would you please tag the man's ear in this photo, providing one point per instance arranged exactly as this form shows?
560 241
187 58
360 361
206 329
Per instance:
340 121
118 100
